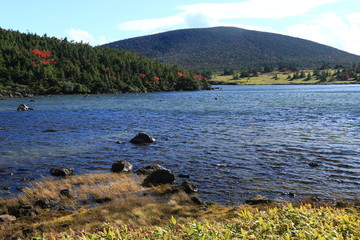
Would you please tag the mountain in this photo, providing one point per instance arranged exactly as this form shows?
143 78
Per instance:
229 47
30 64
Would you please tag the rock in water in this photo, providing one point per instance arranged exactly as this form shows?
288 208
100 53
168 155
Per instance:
122 166
23 107
63 171
189 187
159 177
150 169
142 138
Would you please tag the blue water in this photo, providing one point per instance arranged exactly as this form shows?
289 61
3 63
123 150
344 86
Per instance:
234 143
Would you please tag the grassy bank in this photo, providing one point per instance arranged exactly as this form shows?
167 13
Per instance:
274 78
116 206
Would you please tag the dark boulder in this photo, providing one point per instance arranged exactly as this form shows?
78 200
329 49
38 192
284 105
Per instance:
23 211
258 199
197 200
23 107
189 187
150 169
102 200
142 138
66 193
62 171
47 203
122 166
159 177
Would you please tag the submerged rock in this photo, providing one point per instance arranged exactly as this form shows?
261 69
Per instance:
63 171
159 177
23 107
122 166
314 164
142 138
258 199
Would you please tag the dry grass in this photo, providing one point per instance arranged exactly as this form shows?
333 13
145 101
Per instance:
96 199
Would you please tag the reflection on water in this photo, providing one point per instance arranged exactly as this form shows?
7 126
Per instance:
234 142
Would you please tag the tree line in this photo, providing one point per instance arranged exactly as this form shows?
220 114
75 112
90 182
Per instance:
32 64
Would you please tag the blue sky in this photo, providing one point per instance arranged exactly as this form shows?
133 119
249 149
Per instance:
332 22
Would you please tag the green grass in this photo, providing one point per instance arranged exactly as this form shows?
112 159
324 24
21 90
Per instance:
285 222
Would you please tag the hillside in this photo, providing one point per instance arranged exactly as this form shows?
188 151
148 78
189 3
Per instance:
220 47
30 64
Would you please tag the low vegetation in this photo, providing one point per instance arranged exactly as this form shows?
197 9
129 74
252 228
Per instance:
116 206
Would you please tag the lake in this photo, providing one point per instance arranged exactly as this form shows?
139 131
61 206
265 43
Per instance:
234 143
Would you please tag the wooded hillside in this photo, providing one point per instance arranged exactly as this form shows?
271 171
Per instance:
30 64
229 47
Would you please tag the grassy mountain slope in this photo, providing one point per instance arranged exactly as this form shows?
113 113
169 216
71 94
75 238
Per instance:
220 47
30 64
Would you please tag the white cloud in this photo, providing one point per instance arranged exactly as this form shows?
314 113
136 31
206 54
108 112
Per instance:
79 35
200 19
343 32
151 25
270 9
102 40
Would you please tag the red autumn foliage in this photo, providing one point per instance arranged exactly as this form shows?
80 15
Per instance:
179 74
142 75
156 80
198 77
106 69
18 52
42 54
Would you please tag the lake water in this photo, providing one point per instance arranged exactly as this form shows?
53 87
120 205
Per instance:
234 143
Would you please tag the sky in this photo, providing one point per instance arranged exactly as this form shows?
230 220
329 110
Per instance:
332 22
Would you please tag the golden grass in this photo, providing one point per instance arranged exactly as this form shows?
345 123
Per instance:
273 78
135 212
129 203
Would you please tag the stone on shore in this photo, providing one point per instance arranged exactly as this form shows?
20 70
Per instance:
159 177
122 166
68 193
142 138
7 218
63 171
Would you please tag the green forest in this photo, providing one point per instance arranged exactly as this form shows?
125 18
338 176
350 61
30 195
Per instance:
37 65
